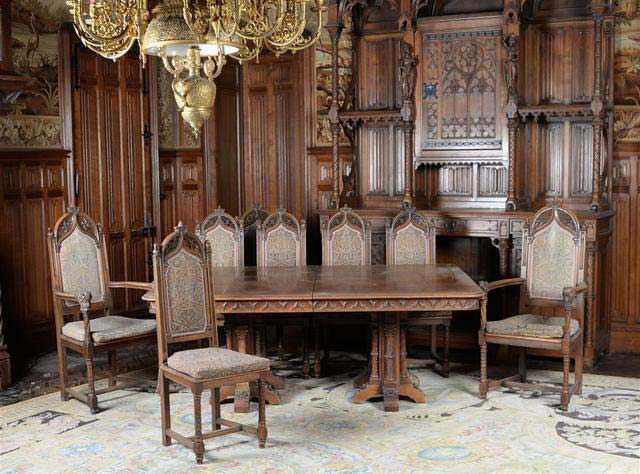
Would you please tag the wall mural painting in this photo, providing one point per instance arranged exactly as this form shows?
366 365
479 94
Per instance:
323 83
29 109
627 72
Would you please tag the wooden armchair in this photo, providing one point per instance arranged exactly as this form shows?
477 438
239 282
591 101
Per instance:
346 240
185 312
552 277
411 240
81 287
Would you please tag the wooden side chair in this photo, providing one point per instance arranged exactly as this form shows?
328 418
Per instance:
82 292
552 277
225 239
248 223
185 312
411 240
282 242
346 240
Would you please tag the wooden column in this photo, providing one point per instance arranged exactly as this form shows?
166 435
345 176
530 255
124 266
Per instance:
5 365
408 82
511 43
334 32
597 107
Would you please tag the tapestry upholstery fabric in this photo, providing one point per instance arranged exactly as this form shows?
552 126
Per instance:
281 248
531 325
215 362
410 246
553 262
186 295
79 266
110 328
224 250
347 247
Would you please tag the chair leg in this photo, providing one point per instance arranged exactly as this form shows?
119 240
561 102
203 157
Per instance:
198 443
445 359
62 369
215 408
92 398
566 366
280 335
579 364
262 424
165 407
306 369
522 364
484 383
317 363
113 367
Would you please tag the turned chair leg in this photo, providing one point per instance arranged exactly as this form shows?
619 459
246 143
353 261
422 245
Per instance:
113 368
484 383
262 424
165 408
566 366
62 369
445 359
317 363
306 369
579 365
215 408
92 398
522 364
198 443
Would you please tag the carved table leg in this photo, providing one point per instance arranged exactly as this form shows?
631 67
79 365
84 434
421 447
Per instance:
241 400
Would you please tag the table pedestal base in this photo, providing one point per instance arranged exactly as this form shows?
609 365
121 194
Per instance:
388 375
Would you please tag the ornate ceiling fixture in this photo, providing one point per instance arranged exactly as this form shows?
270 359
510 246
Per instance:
184 32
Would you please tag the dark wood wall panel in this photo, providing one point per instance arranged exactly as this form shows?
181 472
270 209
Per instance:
33 194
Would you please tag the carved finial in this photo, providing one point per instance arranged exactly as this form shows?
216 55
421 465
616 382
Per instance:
556 202
219 211
84 298
180 227
345 209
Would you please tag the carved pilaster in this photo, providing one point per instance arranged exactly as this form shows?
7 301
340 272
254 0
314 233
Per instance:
597 107
512 125
504 247
5 366
408 73
334 33
590 323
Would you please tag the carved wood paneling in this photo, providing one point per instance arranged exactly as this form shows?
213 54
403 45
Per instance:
273 119
33 194
581 160
492 180
456 180
553 164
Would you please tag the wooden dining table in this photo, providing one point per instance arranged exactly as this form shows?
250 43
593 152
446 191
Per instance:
385 294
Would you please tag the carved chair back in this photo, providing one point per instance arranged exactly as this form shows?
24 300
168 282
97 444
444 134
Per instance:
553 255
282 241
78 263
346 239
248 224
184 290
223 234
411 239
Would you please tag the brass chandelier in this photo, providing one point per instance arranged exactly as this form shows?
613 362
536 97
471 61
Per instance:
194 37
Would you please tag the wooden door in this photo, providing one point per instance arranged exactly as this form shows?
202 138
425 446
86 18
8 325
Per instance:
112 161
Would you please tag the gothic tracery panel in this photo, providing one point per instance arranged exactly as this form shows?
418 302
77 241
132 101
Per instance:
461 90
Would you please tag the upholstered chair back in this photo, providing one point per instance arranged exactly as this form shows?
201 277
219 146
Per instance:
553 253
248 224
223 234
281 241
411 239
184 290
346 239
77 258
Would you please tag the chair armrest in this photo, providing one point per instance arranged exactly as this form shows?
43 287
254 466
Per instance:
84 300
494 285
132 285
570 293
66 296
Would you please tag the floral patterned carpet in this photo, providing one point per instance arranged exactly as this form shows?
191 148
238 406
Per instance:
317 429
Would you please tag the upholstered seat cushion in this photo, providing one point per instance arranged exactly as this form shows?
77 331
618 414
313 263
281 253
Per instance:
215 362
531 325
110 328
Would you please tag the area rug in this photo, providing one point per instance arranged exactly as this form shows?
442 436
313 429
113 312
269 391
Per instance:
318 429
